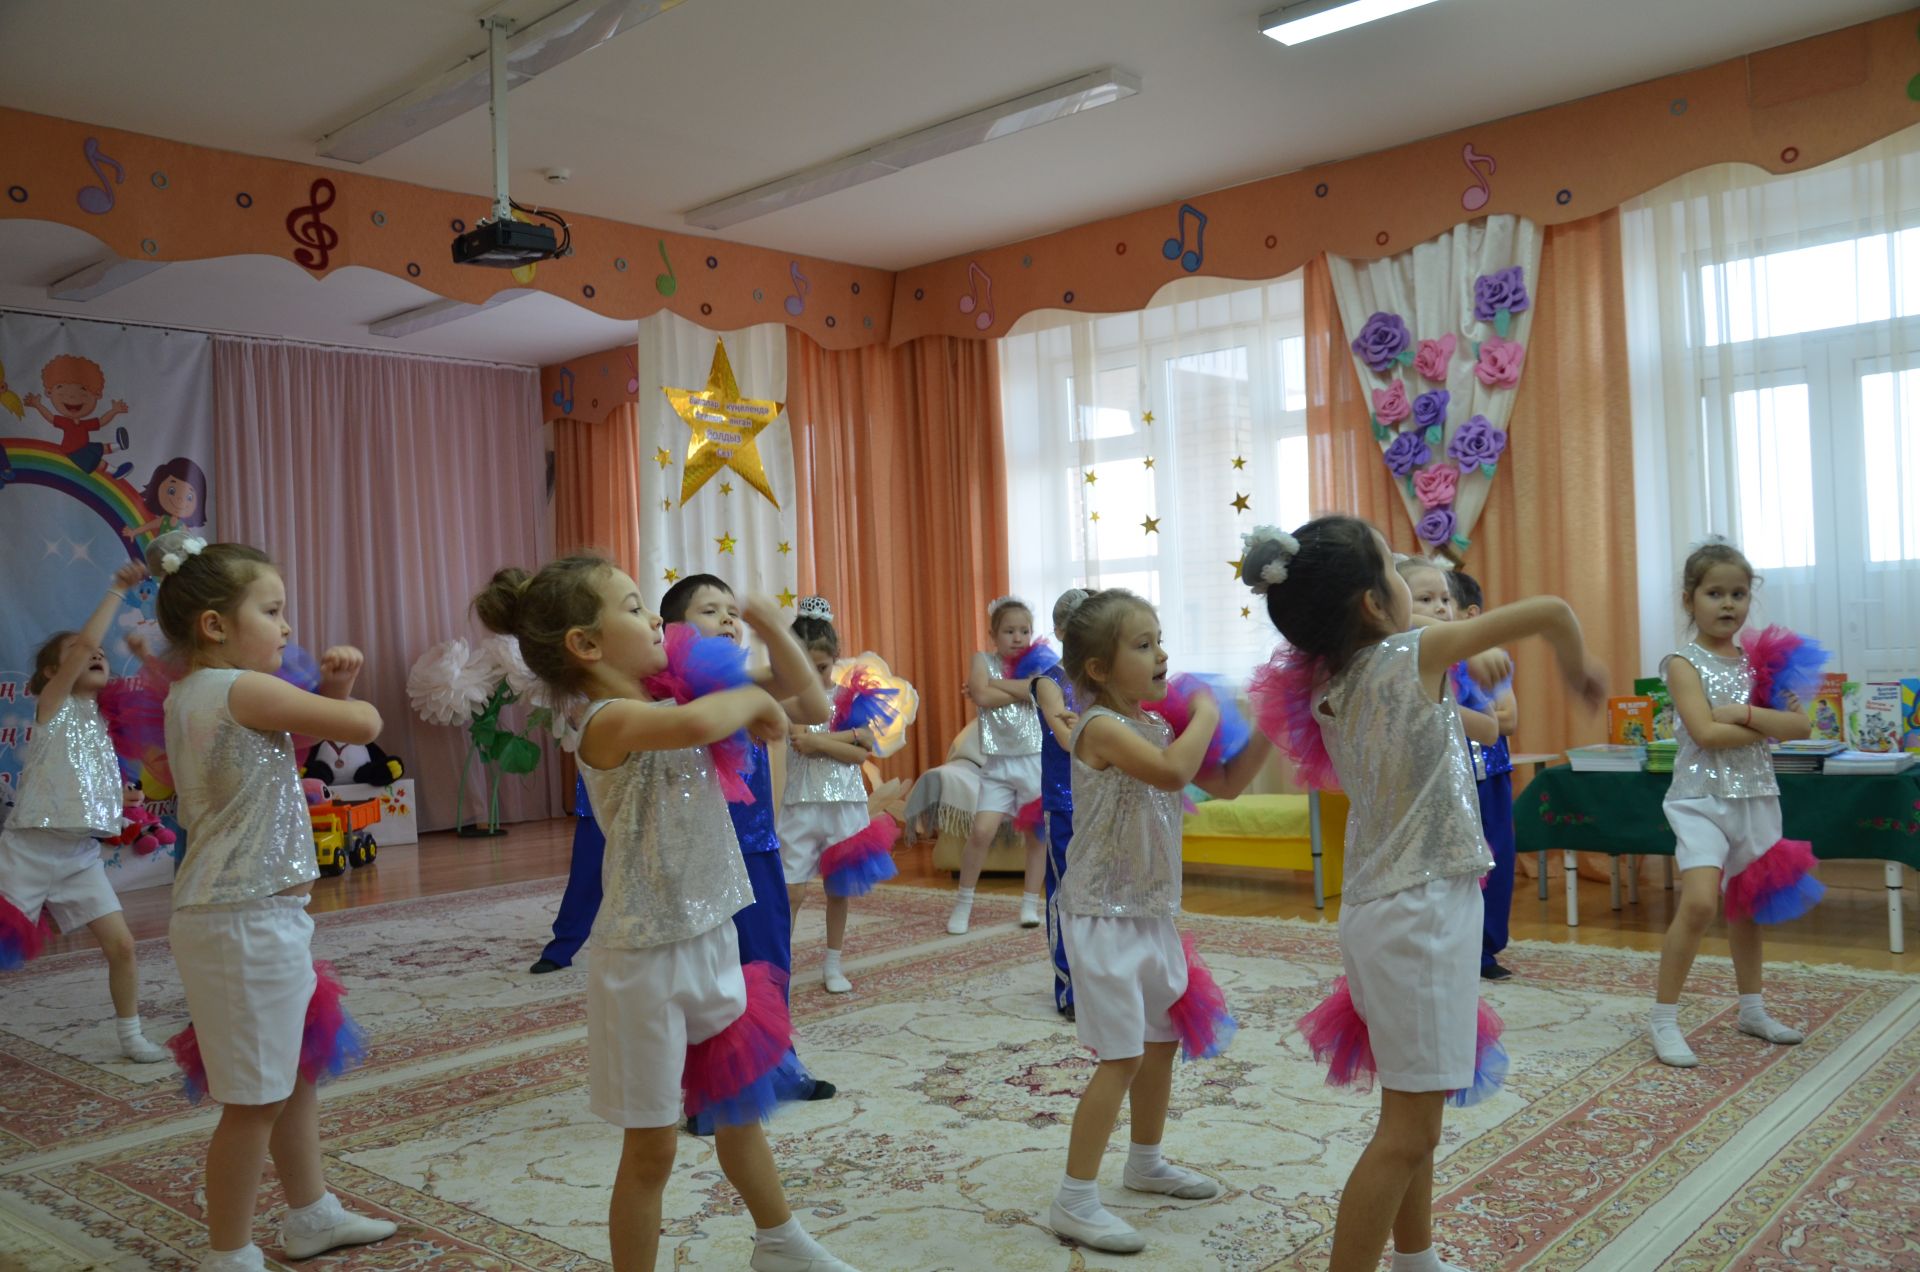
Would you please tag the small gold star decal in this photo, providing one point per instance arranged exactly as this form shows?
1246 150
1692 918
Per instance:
1239 462
786 598
672 575
1150 525
1093 516
725 542
1235 567
1239 502
666 505
1149 461
726 487
663 457
1147 418
1245 612
1090 477
784 548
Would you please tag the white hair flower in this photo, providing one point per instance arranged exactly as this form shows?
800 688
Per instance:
1273 571
171 563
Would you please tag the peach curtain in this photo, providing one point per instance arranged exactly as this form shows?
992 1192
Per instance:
1560 517
901 504
596 486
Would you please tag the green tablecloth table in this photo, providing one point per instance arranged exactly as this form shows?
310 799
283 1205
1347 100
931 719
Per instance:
1853 816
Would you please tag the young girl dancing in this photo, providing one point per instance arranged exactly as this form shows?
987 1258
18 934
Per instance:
1010 742
267 1020
1140 990
673 1019
825 828
1355 695
1724 804
70 793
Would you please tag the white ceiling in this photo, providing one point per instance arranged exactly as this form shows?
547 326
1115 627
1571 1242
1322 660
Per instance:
715 96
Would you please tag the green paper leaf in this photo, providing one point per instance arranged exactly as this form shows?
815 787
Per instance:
1502 323
1489 468
519 755
1406 358
1433 434
1381 432
1476 351
1460 541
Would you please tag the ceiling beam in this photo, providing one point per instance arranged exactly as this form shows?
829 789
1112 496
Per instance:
439 313
539 46
100 278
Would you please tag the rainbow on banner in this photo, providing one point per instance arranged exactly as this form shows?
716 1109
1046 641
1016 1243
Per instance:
41 463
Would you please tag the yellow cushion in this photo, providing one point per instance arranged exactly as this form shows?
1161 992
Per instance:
1251 817
1271 832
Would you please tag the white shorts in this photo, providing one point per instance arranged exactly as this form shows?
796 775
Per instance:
1413 966
644 1009
248 972
1727 834
808 830
1126 974
1008 783
58 871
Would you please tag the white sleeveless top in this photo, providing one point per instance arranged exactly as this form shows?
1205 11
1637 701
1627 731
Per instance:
1010 730
1734 772
71 779
821 779
1124 859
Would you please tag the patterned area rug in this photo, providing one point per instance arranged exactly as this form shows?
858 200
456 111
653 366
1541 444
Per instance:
469 1124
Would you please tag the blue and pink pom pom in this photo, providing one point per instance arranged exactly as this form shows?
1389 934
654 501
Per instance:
1778 887
330 1042
1338 1038
1036 659
1230 735
862 861
1786 667
863 702
1200 1016
732 1076
697 666
21 938
1282 695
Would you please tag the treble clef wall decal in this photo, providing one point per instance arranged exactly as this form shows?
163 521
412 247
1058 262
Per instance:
317 239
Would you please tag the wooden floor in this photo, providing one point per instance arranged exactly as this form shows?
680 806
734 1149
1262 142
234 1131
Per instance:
1849 927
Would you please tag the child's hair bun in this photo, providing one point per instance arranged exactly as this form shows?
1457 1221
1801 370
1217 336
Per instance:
1266 554
498 604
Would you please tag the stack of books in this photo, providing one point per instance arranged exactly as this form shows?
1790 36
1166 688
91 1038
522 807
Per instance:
1871 762
1607 758
1804 756
1660 755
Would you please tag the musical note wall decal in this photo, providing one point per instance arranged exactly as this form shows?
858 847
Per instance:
317 239
977 302
633 380
1476 195
797 303
1190 258
98 199
563 396
668 283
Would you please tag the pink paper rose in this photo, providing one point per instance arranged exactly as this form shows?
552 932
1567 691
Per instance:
1390 404
1500 360
1436 486
1433 356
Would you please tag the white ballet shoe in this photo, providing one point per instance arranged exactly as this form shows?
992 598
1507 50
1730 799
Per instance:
1108 1232
302 1237
960 919
1771 1030
836 983
1175 1181
1670 1045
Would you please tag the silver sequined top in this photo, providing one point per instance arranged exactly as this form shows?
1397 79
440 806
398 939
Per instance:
1010 730
1736 772
820 779
71 781
248 836
1402 760
1124 860
672 868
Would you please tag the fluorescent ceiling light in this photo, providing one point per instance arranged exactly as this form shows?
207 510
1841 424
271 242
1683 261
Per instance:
100 278
538 46
1311 19
1097 88
438 313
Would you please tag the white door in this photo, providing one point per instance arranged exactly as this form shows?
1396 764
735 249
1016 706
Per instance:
1876 405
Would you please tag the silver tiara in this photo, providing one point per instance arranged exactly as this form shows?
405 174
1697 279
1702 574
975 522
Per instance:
1274 572
816 607
999 603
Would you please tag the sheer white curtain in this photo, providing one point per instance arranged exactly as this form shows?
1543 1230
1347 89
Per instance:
1773 325
677 354
1140 447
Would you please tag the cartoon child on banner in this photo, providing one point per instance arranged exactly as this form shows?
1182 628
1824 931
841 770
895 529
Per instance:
11 401
176 495
75 386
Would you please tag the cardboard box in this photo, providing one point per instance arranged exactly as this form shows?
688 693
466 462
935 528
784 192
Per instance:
1630 721
397 824
1655 689
1874 719
1828 710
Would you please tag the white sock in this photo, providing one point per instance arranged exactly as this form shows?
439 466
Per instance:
1665 1015
833 963
1427 1260
1755 1020
128 1028
316 1217
1145 1159
248 1258
1080 1197
963 895
788 1239
1030 898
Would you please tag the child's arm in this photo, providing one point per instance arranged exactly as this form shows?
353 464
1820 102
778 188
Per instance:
792 676
118 409
1480 726
34 400
1788 726
130 533
268 703
1506 710
843 746
980 686
1108 743
1053 710
1690 702
80 648
628 725
1232 777
1444 644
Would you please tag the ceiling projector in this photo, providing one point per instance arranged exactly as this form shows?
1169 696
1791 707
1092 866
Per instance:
506 244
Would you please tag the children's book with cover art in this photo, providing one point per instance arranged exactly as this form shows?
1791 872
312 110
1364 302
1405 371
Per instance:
1874 718
1655 690
1828 710
1630 721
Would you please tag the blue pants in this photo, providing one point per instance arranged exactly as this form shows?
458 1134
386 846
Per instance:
581 901
1059 834
1496 818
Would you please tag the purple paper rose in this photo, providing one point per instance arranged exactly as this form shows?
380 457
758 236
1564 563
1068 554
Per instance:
1436 527
1477 443
1430 408
1503 289
1382 341
1408 452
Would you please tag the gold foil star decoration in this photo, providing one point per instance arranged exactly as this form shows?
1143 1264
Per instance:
724 542
672 575
725 426
786 598
726 487
1093 516
1150 525
784 548
666 505
662 456
1239 462
1090 477
1239 502
1245 612
1149 461
1147 419
1235 567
